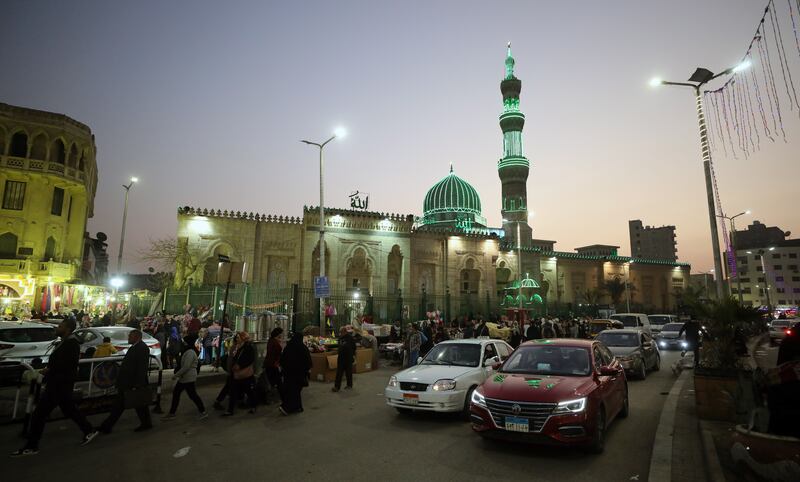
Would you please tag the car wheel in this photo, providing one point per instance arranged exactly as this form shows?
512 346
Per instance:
599 436
657 365
403 411
465 412
626 407
642 370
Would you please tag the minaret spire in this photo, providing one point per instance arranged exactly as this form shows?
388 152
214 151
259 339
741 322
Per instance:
509 63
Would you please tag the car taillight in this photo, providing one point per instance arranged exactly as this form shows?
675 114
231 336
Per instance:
6 346
788 332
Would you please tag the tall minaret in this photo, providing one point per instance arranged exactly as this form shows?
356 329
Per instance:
513 167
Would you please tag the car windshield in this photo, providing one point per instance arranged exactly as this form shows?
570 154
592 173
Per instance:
457 354
672 327
548 360
629 321
116 335
619 339
658 320
28 335
780 323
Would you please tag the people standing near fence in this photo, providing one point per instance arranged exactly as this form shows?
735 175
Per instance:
185 379
132 377
59 380
295 367
345 358
272 361
242 375
413 344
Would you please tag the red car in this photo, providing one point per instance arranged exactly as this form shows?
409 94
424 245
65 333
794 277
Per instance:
562 391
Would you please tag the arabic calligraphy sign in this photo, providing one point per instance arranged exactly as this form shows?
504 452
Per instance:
359 200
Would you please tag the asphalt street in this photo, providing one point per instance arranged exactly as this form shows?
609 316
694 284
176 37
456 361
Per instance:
350 435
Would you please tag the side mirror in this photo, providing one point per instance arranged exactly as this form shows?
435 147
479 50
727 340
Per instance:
608 371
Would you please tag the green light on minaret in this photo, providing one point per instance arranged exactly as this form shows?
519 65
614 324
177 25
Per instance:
509 63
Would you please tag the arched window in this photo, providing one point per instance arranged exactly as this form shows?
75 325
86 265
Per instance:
82 163
394 270
73 157
39 148
2 141
8 246
19 145
58 152
50 249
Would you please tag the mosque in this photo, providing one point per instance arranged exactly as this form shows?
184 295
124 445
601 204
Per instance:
398 265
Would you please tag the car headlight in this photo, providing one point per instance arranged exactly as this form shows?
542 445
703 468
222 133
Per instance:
442 385
571 406
662 344
478 398
393 381
684 344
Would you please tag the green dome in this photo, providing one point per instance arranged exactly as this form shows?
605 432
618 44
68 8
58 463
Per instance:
452 199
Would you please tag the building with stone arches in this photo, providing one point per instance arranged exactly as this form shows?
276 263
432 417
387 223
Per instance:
48 175
447 259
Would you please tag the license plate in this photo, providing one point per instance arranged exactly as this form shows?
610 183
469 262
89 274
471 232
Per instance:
516 424
411 398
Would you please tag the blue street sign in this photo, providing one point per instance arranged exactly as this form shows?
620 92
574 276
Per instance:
321 287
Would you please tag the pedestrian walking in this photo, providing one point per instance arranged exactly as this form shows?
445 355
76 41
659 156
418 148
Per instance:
345 358
295 367
59 380
185 379
132 378
242 375
272 361
413 344
693 330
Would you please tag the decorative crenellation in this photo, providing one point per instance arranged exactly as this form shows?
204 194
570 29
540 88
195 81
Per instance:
361 214
211 213
591 257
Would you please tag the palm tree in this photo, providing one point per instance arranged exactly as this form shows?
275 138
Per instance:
615 288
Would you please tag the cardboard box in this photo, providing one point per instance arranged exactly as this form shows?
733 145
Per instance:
363 360
321 370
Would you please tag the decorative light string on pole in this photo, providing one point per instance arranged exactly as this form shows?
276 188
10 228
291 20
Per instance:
751 104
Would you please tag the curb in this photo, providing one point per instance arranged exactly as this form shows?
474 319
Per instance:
661 457
713 466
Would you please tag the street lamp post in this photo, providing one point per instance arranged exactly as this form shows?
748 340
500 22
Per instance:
321 146
732 219
701 77
127 187
627 286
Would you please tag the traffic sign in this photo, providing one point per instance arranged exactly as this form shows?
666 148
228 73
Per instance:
321 287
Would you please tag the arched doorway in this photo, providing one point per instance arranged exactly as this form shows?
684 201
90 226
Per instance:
469 285
211 268
359 271
50 249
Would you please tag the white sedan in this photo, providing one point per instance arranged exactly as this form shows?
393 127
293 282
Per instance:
445 379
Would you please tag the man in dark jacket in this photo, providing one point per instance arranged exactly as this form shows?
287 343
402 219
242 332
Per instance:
344 361
132 375
59 380
534 331
692 329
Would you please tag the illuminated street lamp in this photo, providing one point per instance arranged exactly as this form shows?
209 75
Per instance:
733 248
340 133
701 77
127 187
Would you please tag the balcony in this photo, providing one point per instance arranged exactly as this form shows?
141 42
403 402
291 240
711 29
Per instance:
36 165
26 267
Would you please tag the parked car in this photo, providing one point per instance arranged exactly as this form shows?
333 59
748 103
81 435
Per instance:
563 392
598 326
91 337
777 330
668 338
657 322
634 348
634 320
26 341
445 379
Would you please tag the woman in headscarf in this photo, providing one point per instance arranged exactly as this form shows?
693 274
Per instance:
295 365
242 374
272 361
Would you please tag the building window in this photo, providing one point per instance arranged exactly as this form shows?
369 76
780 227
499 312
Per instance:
792 267
759 268
761 280
741 260
777 267
781 290
757 257
795 290
58 201
795 278
69 209
793 255
19 145
781 302
14 195
8 246
776 256
779 278
746 291
50 249
745 280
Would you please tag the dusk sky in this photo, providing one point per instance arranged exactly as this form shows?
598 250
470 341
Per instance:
205 101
